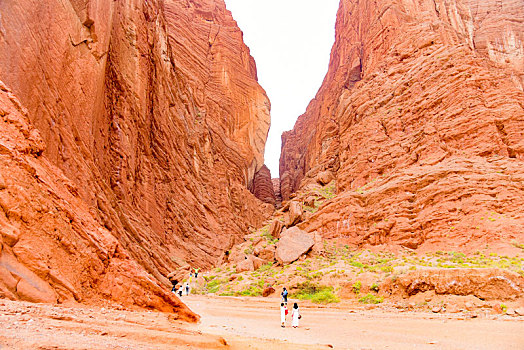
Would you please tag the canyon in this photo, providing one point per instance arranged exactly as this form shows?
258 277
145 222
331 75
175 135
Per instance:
132 149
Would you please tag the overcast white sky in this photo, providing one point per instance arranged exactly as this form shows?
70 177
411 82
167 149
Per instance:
291 42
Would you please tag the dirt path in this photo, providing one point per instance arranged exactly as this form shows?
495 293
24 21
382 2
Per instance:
246 323
363 329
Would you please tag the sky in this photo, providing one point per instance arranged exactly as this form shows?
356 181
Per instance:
291 42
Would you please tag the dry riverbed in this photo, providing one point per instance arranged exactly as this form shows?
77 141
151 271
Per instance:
250 323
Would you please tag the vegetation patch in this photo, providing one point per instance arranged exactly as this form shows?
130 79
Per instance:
356 287
316 293
371 299
254 290
214 285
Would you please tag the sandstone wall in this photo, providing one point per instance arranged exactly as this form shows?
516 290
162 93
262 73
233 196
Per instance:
153 111
421 118
263 186
51 247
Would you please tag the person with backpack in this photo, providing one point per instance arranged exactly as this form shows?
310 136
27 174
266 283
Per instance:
283 313
284 295
295 316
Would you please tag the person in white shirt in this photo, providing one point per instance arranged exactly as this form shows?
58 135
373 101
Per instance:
283 313
295 316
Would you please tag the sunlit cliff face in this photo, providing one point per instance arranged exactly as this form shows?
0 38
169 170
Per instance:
414 117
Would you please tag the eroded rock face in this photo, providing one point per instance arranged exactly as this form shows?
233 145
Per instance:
421 119
52 248
153 111
263 186
294 215
276 190
486 284
276 228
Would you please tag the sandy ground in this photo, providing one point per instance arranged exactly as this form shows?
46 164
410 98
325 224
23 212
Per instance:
356 329
249 323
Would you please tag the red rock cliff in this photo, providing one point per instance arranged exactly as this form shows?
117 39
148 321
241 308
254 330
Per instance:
51 247
421 118
263 186
153 111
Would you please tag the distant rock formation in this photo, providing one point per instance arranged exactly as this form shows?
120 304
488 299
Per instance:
263 186
276 190
421 120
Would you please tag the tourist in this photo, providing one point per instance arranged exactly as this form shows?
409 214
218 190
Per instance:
174 283
196 273
187 288
284 295
180 291
283 313
295 316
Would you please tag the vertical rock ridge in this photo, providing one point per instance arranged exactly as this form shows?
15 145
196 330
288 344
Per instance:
420 105
263 186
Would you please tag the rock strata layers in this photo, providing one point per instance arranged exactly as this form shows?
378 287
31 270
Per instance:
486 284
52 249
421 121
153 112
263 186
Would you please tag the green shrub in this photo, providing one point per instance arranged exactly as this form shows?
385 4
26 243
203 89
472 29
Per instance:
214 285
371 299
504 307
325 297
356 264
266 267
356 287
252 291
209 278
374 287
387 269
316 293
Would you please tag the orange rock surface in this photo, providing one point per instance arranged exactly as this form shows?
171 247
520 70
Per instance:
153 114
52 249
486 284
421 118
263 186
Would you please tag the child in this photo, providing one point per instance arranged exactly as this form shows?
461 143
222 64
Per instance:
283 313
295 316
